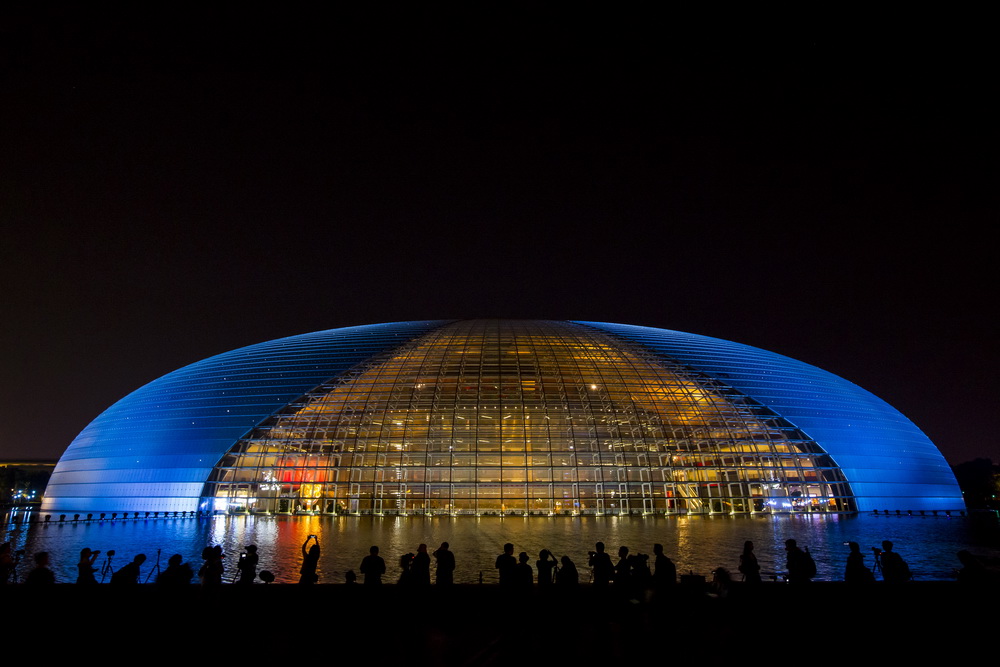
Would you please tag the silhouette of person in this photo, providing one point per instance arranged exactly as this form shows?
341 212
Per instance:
85 568
212 569
373 567
640 575
176 574
421 568
894 568
973 571
721 579
128 574
41 575
406 569
567 574
665 574
247 565
622 569
603 569
350 578
310 561
749 565
506 565
444 574
546 565
856 572
206 556
797 563
523 574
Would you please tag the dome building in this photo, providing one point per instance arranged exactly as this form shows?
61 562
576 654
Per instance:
493 417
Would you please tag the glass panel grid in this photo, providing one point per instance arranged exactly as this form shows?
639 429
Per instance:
490 417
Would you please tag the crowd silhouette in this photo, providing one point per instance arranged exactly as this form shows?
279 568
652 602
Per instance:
632 572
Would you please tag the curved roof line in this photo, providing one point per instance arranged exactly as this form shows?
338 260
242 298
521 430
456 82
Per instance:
155 448
161 441
884 456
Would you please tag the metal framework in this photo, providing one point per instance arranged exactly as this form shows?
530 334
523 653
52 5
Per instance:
525 417
488 416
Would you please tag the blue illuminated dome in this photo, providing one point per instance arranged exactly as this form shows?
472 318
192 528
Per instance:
493 417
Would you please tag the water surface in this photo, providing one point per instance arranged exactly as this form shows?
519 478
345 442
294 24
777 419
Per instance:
698 544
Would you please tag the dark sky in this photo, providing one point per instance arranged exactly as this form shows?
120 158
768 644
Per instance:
177 184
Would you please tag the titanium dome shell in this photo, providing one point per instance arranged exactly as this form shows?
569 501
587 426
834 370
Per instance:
494 416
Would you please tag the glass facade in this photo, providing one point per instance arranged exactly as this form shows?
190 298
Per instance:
154 449
890 463
528 418
491 417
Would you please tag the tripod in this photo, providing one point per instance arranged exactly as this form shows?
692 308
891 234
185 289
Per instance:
106 569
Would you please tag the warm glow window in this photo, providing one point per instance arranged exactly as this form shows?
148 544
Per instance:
480 417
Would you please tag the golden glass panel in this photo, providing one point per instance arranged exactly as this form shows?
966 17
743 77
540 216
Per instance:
503 410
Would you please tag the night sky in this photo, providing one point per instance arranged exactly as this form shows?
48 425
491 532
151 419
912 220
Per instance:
177 184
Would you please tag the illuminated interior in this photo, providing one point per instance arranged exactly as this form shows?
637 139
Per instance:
525 417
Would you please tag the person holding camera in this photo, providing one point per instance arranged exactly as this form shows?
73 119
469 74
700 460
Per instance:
247 565
85 568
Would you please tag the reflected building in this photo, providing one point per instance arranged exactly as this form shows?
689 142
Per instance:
493 416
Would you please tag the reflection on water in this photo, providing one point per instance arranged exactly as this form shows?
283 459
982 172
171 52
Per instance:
698 544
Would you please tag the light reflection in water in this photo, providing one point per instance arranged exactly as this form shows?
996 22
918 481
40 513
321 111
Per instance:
697 544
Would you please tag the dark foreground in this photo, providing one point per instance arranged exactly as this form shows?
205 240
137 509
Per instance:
818 623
